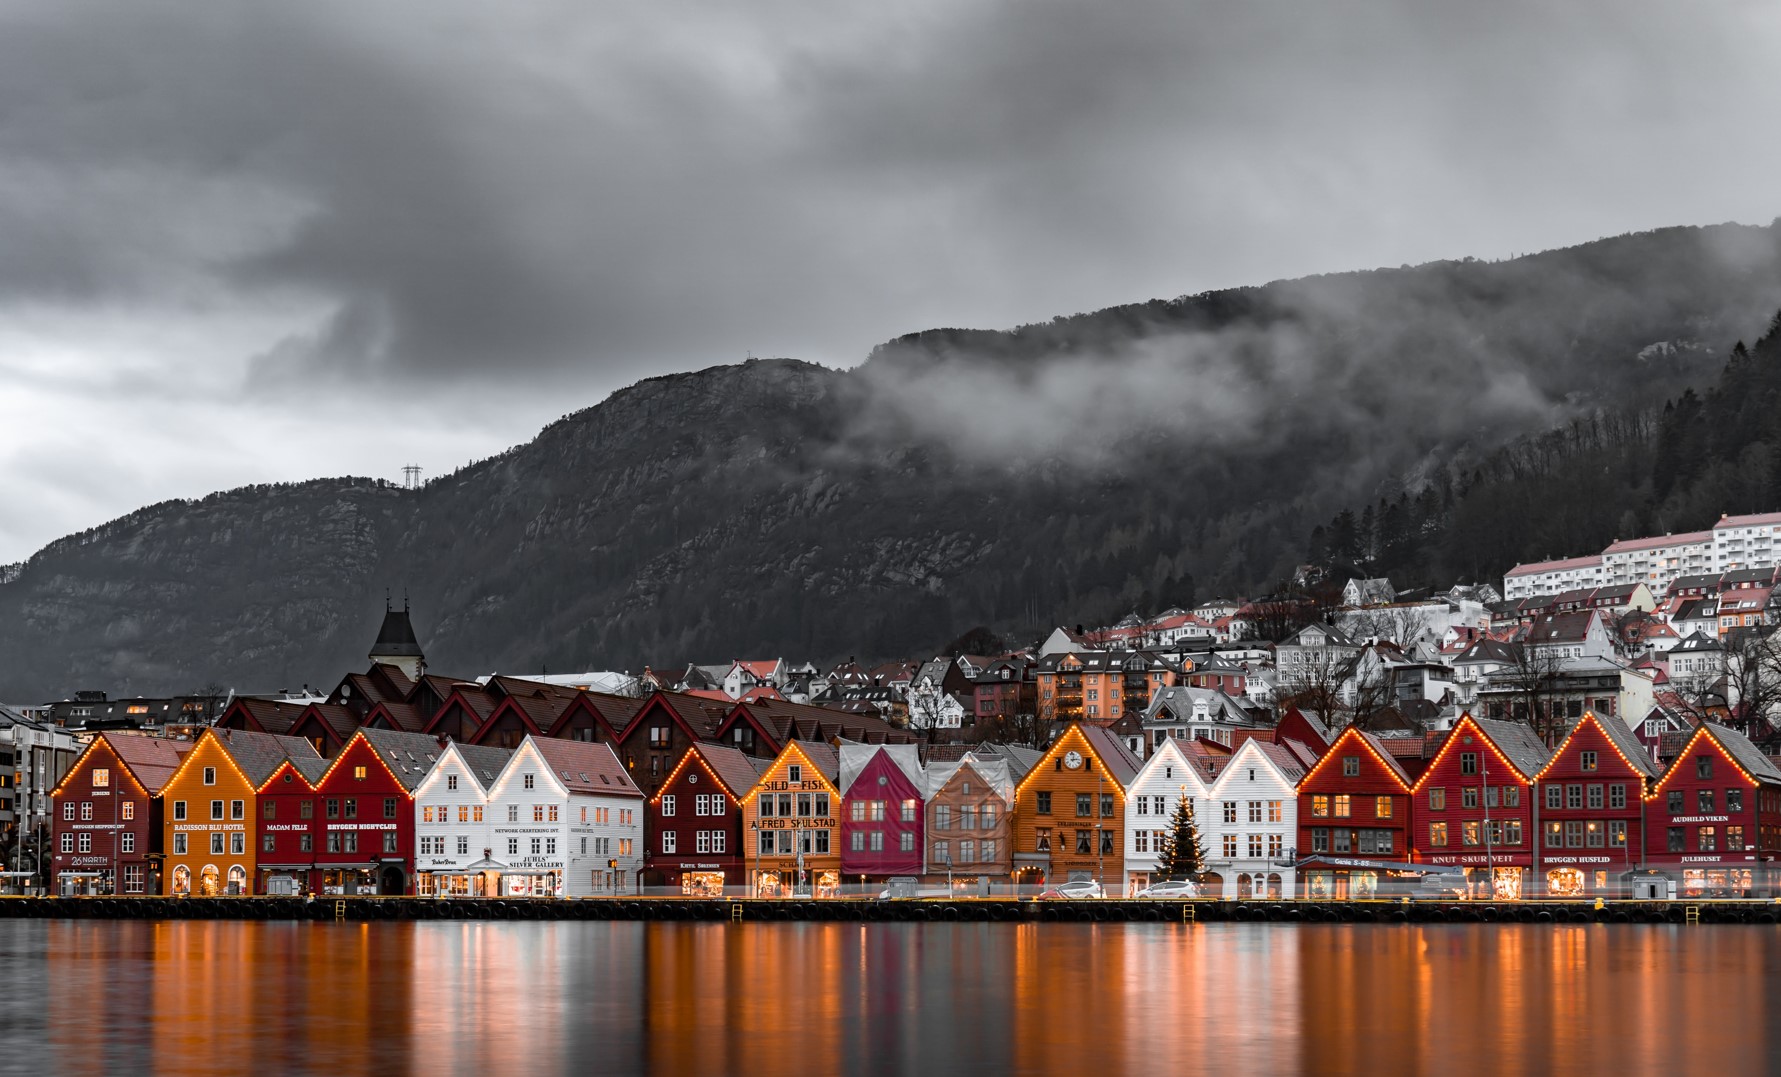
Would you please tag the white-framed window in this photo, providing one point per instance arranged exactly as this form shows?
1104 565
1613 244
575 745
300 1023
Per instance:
668 805
669 839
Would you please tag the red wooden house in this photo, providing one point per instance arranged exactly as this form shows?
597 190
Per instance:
522 708
288 827
660 732
463 711
366 808
1474 806
693 822
1354 818
595 716
106 815
1592 807
326 726
883 795
1714 818
252 715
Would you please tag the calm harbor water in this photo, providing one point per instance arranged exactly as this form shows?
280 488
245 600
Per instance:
86 997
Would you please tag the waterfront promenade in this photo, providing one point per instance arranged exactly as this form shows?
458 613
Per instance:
968 910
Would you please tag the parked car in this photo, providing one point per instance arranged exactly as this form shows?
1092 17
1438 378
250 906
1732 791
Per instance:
1074 891
1170 888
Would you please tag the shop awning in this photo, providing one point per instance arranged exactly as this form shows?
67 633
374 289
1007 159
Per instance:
287 867
486 864
341 867
70 874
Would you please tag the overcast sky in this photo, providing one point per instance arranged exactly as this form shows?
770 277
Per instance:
256 242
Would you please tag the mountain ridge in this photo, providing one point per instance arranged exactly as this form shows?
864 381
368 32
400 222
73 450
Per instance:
1055 471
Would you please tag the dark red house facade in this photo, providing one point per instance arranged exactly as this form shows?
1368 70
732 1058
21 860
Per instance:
288 828
365 805
1591 805
1354 819
105 829
1714 818
693 824
1474 806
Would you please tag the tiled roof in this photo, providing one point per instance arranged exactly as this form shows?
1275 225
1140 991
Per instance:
737 771
259 754
485 761
1114 755
1561 565
1621 734
151 759
1761 519
273 716
1518 743
586 766
410 756
1658 542
1739 747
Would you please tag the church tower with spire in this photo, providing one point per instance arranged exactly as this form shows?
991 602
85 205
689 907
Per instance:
396 645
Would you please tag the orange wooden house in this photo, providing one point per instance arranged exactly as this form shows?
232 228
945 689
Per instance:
208 809
791 823
1069 810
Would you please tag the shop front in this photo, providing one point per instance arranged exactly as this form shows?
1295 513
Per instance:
348 879
1504 876
83 883
1580 877
1325 878
540 884
284 880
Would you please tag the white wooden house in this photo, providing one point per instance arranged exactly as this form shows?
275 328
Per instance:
451 821
1173 770
566 821
1250 830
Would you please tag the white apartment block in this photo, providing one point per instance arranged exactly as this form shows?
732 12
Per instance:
1553 577
1746 542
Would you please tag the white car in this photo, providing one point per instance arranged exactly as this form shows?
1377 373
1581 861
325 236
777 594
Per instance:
1170 888
1084 888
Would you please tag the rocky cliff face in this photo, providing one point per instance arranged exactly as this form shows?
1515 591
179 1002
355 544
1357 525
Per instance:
1060 472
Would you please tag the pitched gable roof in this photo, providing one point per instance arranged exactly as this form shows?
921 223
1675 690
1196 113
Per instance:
586 766
1738 746
152 760
855 758
735 770
1525 751
1618 733
1114 755
409 756
484 761
259 754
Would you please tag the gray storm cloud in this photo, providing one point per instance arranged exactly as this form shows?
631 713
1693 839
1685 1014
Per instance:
281 203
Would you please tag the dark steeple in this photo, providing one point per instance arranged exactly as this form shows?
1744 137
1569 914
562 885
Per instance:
396 638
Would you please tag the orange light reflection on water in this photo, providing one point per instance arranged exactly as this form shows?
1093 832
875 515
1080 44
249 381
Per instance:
490 998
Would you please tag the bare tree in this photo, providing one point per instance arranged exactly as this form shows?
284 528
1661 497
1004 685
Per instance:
1401 626
1751 682
1320 682
1534 675
210 698
1024 728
